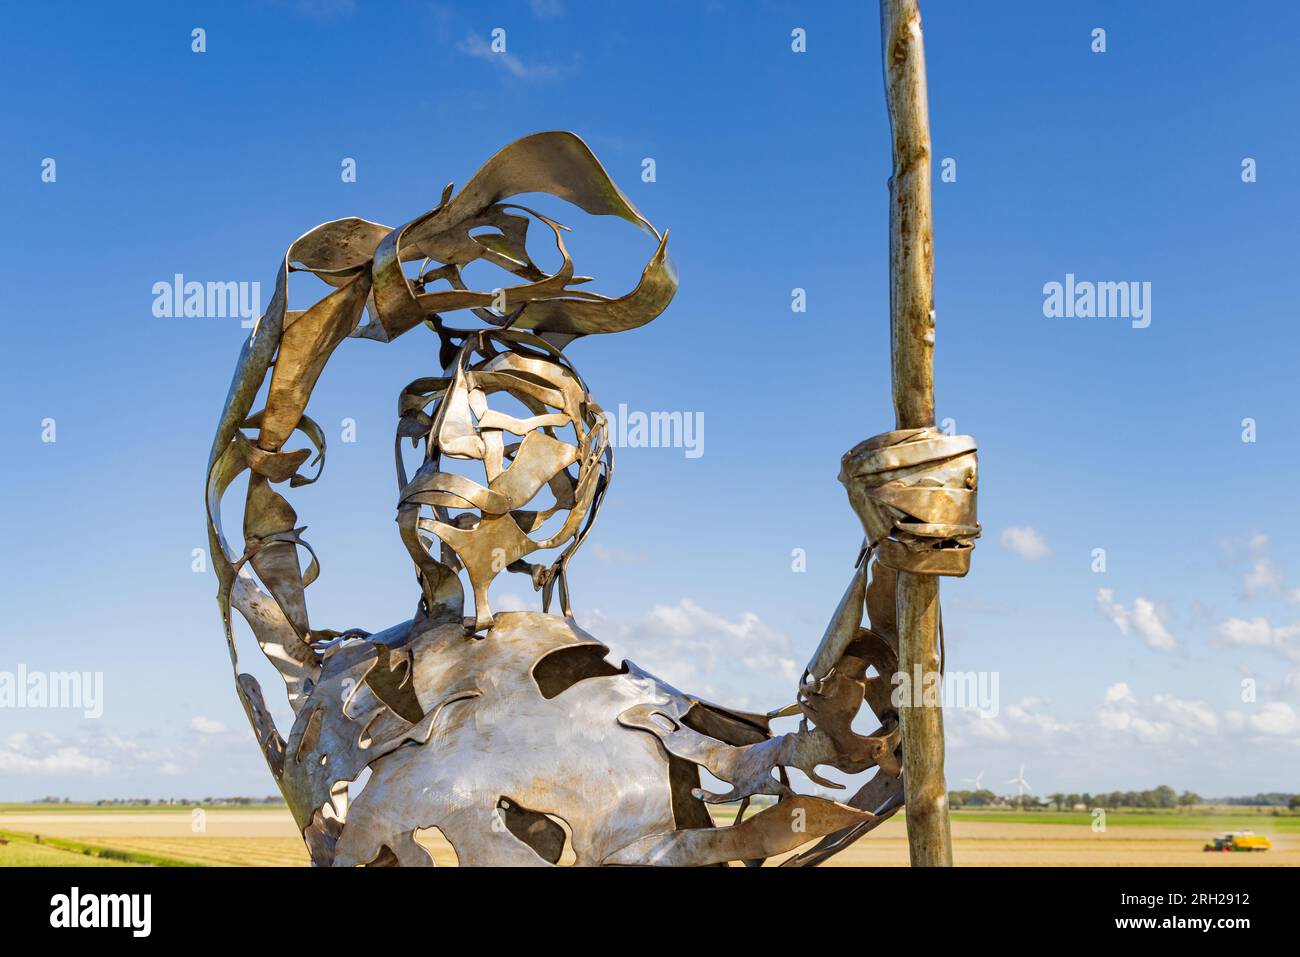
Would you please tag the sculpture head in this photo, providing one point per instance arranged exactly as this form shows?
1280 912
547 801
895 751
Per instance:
558 445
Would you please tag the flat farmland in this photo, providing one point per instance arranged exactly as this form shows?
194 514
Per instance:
1015 843
220 838
267 837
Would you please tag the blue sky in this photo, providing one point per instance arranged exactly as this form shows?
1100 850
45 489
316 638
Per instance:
771 171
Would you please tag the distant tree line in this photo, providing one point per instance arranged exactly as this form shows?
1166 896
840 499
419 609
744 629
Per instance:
980 798
1272 799
165 802
1163 797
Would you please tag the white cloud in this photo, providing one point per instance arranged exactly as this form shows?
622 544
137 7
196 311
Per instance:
1291 684
1131 736
206 725
1258 632
1029 716
1143 618
129 762
1146 619
25 753
1193 715
1274 719
1263 576
1124 722
1026 542
742 662
1119 692
511 601
993 729
1165 719
480 49
1116 612
1027 722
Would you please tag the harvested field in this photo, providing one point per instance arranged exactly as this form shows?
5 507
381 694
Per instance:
266 837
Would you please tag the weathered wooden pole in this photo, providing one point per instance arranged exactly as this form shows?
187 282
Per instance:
911 327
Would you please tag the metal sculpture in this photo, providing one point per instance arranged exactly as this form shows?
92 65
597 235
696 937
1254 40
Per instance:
512 734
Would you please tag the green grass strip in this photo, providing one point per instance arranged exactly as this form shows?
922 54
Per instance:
96 850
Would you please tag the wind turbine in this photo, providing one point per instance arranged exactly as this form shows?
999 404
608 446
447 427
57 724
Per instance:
975 780
1019 781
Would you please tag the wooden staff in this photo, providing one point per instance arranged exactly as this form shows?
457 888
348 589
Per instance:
911 327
